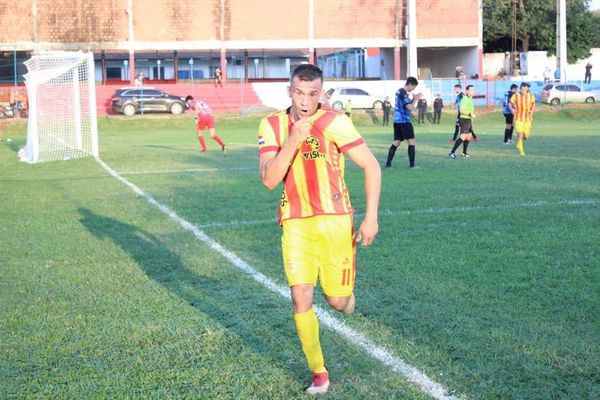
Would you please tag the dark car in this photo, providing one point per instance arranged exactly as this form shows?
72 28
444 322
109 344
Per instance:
132 100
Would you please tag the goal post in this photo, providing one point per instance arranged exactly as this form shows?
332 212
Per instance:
62 121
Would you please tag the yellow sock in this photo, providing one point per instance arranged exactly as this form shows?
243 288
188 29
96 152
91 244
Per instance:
307 327
520 147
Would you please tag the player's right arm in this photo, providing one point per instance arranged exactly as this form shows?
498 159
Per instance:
410 104
274 165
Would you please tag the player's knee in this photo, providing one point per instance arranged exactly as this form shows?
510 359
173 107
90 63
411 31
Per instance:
338 303
302 298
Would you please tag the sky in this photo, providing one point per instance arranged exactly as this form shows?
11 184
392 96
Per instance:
594 5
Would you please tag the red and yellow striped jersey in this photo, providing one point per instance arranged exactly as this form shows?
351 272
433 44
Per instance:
523 105
314 183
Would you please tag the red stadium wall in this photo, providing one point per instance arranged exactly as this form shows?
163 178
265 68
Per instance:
437 19
16 21
351 19
274 19
176 20
101 23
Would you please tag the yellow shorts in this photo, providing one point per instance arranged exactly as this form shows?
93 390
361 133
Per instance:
523 126
320 247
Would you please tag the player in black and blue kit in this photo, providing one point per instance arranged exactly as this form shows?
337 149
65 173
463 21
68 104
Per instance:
508 115
403 129
459 96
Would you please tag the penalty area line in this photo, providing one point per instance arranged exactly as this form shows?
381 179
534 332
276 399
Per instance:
180 171
410 373
441 210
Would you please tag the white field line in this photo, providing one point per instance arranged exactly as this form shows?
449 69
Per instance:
412 374
179 171
442 210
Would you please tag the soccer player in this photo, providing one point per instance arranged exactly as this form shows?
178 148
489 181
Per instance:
304 148
204 119
508 115
459 96
522 105
467 113
403 129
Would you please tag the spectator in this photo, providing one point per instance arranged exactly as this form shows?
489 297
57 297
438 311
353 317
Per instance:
348 109
422 107
547 75
139 79
218 77
588 73
438 104
387 107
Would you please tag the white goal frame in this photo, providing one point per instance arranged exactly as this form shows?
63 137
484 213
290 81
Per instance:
62 122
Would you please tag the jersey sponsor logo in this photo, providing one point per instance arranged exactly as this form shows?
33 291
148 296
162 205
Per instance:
314 153
261 140
283 200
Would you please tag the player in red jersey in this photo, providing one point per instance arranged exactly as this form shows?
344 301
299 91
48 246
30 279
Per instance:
304 147
205 119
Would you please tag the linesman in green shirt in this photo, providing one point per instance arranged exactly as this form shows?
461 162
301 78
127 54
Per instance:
467 113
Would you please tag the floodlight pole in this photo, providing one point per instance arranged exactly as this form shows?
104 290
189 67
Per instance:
131 41
412 39
513 46
561 38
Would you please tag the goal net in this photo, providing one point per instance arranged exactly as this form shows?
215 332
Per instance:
62 107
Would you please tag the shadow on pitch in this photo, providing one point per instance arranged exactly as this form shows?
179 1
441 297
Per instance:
226 303
374 117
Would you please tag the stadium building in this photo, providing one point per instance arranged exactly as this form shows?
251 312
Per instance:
174 40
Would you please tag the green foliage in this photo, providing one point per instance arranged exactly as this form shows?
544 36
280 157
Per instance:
536 27
484 275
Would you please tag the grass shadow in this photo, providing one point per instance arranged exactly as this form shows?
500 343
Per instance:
221 301
374 117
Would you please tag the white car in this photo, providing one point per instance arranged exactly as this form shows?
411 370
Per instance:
338 97
554 93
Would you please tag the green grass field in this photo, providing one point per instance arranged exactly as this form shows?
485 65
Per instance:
485 275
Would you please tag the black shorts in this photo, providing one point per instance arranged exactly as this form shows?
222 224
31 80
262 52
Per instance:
508 118
465 125
403 131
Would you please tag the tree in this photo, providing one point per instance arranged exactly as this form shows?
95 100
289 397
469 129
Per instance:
536 26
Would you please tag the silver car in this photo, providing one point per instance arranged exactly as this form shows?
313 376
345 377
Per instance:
338 97
556 93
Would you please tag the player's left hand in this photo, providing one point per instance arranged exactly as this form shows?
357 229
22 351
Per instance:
367 232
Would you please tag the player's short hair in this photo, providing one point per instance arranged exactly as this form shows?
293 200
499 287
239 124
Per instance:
307 73
458 85
513 86
525 84
469 87
189 97
411 80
